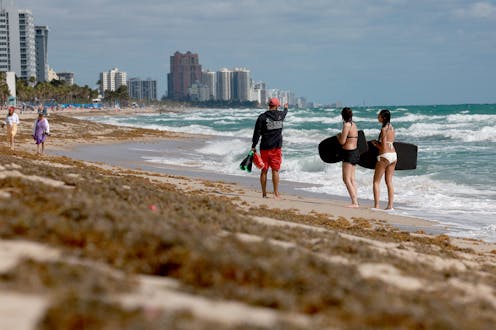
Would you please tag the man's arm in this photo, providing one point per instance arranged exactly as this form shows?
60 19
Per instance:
256 133
285 110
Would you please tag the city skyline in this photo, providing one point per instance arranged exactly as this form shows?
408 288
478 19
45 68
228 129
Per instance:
388 52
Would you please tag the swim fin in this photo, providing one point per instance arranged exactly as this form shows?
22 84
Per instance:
247 163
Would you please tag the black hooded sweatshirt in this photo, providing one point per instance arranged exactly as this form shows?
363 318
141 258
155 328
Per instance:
269 126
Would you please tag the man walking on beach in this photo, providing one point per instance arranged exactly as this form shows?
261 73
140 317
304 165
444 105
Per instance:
269 126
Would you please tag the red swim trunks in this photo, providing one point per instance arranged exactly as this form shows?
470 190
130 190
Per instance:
272 158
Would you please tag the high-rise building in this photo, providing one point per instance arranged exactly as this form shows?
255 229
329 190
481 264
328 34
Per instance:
258 92
112 80
142 89
209 79
10 49
66 77
134 88
18 42
284 96
224 77
241 85
27 43
41 53
301 102
185 70
149 90
199 92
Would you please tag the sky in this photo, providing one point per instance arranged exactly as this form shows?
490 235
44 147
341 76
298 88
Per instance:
357 52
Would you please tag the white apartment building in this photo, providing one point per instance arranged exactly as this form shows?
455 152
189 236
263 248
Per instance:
209 79
301 102
284 96
112 80
258 92
10 49
27 44
241 84
199 92
17 40
224 84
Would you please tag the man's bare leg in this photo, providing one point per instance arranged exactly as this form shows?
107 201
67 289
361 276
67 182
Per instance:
263 182
275 182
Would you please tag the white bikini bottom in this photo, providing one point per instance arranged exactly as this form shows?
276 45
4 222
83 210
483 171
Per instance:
391 157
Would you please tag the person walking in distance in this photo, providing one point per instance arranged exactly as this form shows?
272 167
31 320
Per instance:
12 120
269 127
41 129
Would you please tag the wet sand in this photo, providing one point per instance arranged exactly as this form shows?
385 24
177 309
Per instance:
131 155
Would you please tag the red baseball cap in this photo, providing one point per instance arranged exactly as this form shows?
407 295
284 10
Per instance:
274 102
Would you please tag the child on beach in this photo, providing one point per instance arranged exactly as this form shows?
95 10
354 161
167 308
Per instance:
41 130
386 161
12 120
348 138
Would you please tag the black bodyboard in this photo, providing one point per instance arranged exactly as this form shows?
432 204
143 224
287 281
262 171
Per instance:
362 142
407 156
330 150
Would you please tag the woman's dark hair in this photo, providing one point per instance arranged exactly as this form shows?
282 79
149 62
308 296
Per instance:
386 117
347 114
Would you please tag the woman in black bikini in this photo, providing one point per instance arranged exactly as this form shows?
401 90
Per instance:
348 138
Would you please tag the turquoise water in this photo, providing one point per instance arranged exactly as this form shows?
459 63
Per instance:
454 183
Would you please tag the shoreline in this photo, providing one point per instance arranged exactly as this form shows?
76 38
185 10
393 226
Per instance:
120 154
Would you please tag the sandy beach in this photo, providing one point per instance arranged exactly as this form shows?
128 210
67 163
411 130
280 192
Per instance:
93 244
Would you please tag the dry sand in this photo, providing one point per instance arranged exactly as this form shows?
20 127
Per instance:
92 246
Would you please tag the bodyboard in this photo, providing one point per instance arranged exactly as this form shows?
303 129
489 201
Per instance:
407 156
362 142
330 150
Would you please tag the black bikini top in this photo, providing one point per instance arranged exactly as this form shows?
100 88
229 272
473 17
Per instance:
351 137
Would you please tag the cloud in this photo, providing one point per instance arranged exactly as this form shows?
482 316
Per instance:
479 10
309 46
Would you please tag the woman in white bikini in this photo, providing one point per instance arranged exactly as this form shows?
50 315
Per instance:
386 161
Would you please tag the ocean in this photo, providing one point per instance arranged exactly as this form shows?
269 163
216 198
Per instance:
454 183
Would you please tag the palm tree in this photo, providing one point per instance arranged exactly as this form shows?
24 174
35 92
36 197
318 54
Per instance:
32 81
23 91
4 88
